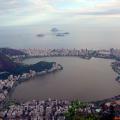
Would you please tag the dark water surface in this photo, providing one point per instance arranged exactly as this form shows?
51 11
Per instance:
80 79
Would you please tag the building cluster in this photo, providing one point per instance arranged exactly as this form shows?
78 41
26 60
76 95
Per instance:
57 109
115 53
5 87
83 53
116 67
38 110
110 110
103 54
112 53
116 64
55 52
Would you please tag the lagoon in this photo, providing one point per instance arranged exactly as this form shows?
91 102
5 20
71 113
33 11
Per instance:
86 80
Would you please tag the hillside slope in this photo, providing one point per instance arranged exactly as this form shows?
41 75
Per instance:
11 52
6 64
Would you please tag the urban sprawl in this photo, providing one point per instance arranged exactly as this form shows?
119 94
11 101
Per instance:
57 109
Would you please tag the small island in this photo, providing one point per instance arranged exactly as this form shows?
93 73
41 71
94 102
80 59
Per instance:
60 35
54 29
66 33
40 35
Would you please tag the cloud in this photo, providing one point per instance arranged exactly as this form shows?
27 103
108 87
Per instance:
19 6
20 12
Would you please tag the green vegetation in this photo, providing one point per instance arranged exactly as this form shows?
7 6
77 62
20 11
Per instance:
7 67
74 114
38 67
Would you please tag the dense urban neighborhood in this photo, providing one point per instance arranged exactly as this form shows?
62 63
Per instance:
83 53
12 72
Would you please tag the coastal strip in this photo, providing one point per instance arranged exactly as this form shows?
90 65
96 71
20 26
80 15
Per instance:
7 86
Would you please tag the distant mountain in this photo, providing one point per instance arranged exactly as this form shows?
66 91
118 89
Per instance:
6 64
11 52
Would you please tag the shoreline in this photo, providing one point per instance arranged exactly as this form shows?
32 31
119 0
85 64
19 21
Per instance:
54 70
20 79
63 106
111 98
117 97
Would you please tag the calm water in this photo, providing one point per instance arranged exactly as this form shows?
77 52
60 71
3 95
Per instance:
80 79
92 37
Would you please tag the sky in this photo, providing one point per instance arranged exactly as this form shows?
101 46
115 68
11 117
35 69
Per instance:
30 12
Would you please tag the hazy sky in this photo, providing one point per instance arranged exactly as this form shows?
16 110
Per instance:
30 12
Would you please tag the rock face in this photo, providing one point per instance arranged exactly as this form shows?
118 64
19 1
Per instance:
6 64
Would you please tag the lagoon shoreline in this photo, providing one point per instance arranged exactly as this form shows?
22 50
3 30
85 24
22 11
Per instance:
96 105
32 74
16 80
117 97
